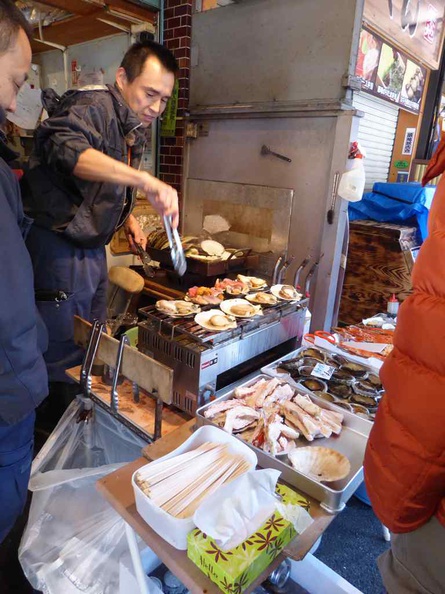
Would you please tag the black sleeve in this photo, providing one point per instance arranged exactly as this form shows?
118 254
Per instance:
61 139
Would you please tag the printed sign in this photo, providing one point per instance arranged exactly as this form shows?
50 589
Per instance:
388 73
414 25
401 164
323 371
408 143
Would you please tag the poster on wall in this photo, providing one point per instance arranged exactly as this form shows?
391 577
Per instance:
414 25
388 73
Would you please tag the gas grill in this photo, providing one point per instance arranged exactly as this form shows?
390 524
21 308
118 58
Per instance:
198 356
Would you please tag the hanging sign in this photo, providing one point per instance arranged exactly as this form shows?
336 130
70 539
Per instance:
168 126
414 25
388 73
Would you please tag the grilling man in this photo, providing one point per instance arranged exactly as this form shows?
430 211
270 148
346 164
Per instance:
84 172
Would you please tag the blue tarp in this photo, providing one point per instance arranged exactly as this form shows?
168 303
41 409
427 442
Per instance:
394 203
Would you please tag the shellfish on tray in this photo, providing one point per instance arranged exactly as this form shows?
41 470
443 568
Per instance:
240 308
215 320
177 308
320 463
253 281
204 295
262 298
232 287
286 292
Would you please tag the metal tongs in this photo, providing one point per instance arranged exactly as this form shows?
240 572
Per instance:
85 372
176 250
145 259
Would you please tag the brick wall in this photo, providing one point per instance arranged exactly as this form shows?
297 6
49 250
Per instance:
177 37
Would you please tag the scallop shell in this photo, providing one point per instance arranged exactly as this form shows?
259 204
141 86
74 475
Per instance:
326 396
321 464
366 401
365 388
340 390
340 376
314 384
344 405
355 369
314 353
375 381
336 360
306 370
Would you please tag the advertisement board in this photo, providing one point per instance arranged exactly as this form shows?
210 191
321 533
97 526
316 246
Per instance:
414 25
388 73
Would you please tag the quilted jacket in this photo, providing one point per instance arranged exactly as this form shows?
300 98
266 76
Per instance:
405 456
87 213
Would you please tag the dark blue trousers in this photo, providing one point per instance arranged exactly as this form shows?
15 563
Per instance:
16 451
60 265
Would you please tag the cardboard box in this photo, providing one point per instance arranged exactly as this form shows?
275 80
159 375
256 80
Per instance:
233 571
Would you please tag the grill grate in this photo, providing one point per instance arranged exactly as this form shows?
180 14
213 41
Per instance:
177 327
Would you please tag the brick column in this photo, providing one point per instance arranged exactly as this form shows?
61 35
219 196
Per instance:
177 37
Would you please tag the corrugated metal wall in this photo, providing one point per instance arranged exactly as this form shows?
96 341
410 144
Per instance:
376 134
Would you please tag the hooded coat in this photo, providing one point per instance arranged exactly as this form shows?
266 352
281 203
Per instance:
405 457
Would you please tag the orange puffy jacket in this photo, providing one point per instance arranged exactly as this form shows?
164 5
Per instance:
405 456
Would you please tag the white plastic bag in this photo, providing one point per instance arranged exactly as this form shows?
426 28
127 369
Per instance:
74 540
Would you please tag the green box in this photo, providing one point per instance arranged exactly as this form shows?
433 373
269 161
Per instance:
233 571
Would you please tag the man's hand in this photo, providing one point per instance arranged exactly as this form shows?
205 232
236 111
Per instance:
134 235
162 196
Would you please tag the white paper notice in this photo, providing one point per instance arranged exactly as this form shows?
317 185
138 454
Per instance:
29 108
323 371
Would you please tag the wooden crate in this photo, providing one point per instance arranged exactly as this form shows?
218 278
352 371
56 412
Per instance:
379 263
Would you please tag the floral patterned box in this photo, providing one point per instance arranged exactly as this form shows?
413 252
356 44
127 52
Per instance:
233 571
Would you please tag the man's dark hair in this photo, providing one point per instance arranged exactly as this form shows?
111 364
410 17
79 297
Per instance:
135 57
11 21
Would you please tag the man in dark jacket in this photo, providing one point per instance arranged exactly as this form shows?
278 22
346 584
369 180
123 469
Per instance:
80 186
23 378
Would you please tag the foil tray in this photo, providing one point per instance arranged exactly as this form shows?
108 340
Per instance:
351 442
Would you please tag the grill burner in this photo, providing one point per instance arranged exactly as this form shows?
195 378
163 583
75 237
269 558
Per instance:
197 356
188 326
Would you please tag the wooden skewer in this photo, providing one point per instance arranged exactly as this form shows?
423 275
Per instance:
163 491
228 476
183 499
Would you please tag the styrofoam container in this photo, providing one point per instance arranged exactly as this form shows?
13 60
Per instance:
175 530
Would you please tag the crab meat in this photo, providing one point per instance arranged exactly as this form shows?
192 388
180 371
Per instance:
220 407
234 415
245 391
281 393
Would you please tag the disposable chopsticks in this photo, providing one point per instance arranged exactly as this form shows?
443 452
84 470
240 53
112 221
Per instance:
180 484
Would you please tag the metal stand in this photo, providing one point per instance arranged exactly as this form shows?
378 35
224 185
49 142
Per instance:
136 559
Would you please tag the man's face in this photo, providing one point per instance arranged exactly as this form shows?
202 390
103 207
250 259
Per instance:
149 92
14 65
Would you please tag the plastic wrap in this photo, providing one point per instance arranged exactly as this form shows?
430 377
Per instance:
74 540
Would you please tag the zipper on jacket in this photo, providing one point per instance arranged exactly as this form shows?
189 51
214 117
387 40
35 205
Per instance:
47 295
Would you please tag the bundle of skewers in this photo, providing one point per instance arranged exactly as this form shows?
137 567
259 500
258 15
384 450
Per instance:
180 484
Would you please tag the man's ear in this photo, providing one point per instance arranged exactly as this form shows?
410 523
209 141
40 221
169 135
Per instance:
121 77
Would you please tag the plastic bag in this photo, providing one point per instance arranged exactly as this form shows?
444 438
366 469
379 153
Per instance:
74 540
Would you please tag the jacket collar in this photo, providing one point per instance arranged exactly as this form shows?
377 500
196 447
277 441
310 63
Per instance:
128 119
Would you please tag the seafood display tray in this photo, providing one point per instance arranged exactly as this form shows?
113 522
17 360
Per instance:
211 268
351 443
354 421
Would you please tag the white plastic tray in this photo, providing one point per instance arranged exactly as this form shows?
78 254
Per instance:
175 530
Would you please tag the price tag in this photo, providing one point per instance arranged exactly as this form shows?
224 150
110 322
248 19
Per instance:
323 371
